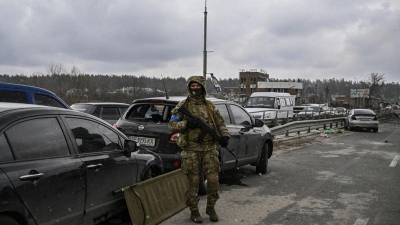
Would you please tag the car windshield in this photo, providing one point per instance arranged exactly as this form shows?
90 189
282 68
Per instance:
264 102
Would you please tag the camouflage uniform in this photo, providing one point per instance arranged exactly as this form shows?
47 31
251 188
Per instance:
199 149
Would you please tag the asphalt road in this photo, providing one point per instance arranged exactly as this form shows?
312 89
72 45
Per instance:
350 178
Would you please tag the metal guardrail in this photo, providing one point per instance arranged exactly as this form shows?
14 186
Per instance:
307 126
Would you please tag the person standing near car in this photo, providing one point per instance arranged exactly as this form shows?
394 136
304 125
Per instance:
199 149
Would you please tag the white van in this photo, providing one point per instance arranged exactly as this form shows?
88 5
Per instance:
270 105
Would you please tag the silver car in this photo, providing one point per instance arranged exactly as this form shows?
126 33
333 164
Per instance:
362 119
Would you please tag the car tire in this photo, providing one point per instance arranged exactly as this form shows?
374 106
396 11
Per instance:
262 164
375 130
6 220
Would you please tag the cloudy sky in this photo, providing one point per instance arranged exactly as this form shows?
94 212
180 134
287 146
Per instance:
287 38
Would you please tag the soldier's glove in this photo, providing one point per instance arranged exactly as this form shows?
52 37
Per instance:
192 123
224 141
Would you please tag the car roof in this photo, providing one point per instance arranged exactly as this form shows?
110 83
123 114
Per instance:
12 111
269 94
5 106
4 85
364 111
101 103
174 99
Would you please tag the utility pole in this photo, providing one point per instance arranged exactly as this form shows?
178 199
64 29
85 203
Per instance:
205 42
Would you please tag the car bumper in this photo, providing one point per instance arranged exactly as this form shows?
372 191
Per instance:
364 124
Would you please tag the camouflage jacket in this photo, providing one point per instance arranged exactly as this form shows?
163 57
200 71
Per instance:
195 139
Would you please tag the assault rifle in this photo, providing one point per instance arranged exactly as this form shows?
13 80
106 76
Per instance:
202 125
207 129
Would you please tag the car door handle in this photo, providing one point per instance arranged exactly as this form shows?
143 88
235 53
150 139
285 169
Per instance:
94 166
31 176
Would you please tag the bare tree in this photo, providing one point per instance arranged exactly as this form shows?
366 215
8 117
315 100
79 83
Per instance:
56 69
377 80
75 71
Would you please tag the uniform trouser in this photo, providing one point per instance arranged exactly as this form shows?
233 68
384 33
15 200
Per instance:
195 162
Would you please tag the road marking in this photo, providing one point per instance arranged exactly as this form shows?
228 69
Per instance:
361 222
394 161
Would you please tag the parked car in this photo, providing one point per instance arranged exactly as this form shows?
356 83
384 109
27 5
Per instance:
270 105
309 112
146 121
108 111
64 167
362 119
20 93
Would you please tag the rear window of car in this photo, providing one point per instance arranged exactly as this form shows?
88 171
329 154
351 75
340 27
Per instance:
110 113
82 107
365 112
122 109
150 112
12 96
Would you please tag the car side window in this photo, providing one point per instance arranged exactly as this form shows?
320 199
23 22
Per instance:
93 137
37 138
5 153
240 116
13 96
224 113
110 113
47 100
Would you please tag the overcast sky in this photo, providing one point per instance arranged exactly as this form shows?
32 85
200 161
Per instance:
287 38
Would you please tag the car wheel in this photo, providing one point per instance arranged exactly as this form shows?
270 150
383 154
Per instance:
6 220
262 165
375 130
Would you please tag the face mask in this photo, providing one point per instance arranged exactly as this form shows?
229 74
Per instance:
196 93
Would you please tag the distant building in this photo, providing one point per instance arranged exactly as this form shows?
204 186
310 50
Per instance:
249 80
293 88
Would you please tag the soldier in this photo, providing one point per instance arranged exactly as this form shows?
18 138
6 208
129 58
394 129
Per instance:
199 149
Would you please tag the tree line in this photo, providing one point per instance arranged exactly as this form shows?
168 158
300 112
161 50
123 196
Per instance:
125 88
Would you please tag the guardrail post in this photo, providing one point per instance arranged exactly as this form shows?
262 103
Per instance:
298 133
309 130
324 126
337 124
287 133
330 125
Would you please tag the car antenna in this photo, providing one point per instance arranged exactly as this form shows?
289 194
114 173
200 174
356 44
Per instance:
165 88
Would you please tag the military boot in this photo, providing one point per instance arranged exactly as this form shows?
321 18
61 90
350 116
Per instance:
212 214
195 216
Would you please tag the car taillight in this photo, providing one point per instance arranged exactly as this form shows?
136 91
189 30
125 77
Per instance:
176 163
353 117
174 137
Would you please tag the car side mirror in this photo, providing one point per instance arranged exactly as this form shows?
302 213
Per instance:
258 123
129 147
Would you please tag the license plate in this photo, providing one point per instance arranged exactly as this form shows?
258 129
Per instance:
144 141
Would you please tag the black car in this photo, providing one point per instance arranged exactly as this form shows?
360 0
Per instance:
146 121
108 111
61 166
